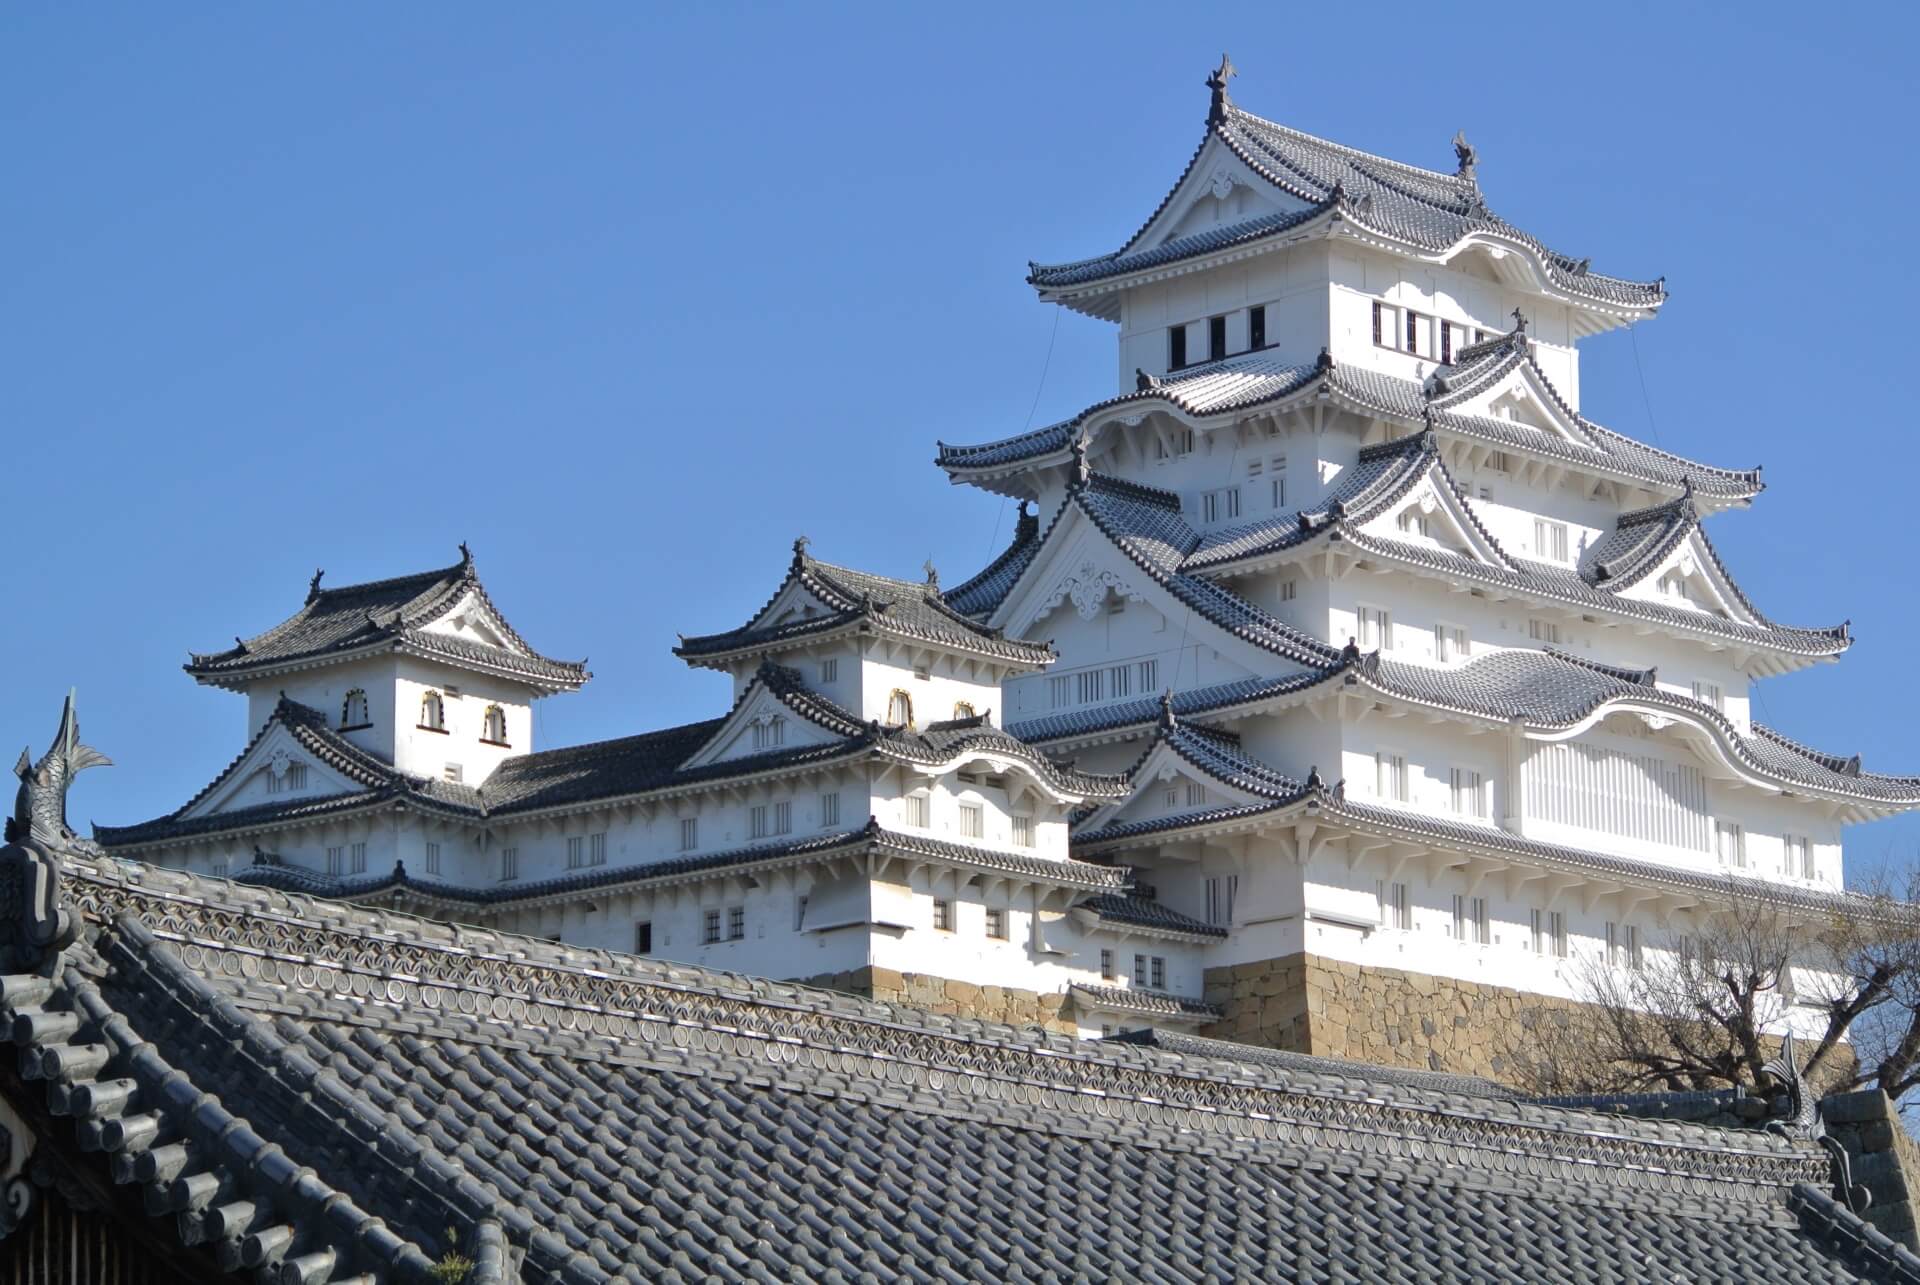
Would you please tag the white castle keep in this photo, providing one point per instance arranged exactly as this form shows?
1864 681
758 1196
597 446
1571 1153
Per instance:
1337 639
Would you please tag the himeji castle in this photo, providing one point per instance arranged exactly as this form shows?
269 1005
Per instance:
1343 685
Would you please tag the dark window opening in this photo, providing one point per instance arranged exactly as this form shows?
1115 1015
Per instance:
1216 338
1176 347
1413 331
1256 327
1376 323
1446 343
643 937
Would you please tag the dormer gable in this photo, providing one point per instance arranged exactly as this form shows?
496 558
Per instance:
1691 578
1503 384
1431 514
776 714
1218 190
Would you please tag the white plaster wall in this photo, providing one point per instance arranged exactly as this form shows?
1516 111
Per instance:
1291 284
325 689
425 753
948 681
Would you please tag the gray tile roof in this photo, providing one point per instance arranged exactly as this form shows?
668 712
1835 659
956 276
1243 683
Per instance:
904 608
385 615
578 775
1385 473
1278 795
1148 1003
1146 525
1426 210
1250 379
869 838
1132 911
982 593
320 1090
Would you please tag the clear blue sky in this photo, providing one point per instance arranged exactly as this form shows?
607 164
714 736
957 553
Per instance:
630 295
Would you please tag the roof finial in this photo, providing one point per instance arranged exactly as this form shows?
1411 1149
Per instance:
800 543
1142 381
40 808
1080 470
1217 82
466 555
1166 709
1468 155
933 575
1519 323
313 585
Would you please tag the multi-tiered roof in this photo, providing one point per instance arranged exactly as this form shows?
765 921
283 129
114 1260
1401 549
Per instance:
1417 213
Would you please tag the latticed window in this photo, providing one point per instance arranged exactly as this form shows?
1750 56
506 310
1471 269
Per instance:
353 710
493 725
963 709
996 923
943 915
433 712
1022 830
972 820
900 709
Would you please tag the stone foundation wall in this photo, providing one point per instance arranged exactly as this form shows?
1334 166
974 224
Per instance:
953 998
1380 1015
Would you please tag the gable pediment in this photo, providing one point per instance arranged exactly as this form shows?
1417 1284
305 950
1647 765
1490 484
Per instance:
277 768
1432 515
1218 190
1691 579
473 620
762 724
1525 400
1166 785
793 604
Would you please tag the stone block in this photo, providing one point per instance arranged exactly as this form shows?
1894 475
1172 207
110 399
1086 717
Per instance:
1856 1108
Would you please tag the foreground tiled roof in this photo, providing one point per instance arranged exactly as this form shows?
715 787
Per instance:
1359 1073
323 1092
858 598
1427 211
385 615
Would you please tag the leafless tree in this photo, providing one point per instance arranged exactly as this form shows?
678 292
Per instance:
1703 1008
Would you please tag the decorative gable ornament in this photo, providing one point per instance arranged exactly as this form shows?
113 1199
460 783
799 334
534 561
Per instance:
278 763
1222 183
1088 587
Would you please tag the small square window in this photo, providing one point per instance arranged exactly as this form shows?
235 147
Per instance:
996 923
1107 973
736 922
433 858
643 937
972 821
710 928
829 810
943 915
689 833
1022 831
830 670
